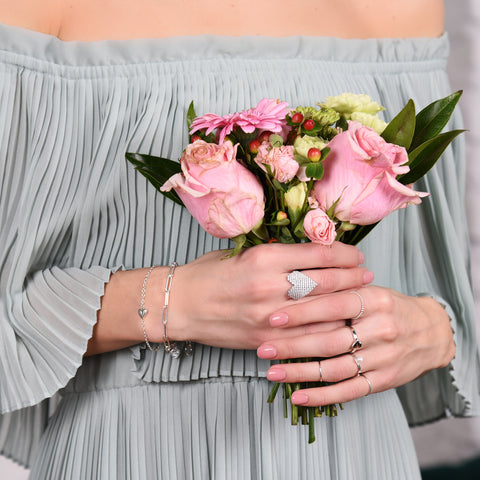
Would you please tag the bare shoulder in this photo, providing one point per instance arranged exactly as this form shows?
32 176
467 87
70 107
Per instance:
44 16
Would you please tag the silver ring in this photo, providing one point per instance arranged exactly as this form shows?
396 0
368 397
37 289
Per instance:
357 344
357 359
302 285
369 384
320 370
362 308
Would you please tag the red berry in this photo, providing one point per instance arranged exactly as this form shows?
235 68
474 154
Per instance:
308 124
297 118
254 145
265 137
195 138
314 154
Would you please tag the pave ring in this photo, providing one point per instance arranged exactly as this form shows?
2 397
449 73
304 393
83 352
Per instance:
369 384
302 285
357 359
357 344
362 308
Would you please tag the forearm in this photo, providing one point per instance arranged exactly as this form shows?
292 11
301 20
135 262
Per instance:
119 325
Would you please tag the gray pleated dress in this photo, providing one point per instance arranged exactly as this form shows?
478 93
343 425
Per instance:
72 211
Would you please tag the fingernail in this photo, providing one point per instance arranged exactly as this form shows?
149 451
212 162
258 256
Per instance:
267 351
279 319
299 398
368 276
276 374
361 257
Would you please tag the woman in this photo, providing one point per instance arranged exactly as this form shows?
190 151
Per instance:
83 229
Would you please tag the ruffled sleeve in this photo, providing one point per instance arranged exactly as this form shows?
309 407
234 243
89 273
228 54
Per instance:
435 261
50 284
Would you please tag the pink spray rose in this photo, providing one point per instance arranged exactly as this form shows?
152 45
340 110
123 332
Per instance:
360 172
318 227
223 196
284 166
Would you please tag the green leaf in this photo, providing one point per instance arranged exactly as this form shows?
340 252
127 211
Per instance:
314 170
191 115
239 243
301 160
424 157
325 151
400 130
157 171
432 119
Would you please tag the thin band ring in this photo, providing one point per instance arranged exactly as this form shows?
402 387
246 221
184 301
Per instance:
357 344
369 384
357 359
320 370
362 308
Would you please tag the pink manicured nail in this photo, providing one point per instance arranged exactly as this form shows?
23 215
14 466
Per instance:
368 276
276 374
279 319
267 351
361 257
299 398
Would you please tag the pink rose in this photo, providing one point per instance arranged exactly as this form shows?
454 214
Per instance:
284 166
318 227
360 173
223 196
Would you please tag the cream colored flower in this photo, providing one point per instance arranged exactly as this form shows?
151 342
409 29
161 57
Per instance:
347 103
303 144
295 196
371 121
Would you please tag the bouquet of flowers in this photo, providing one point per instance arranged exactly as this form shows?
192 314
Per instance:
314 173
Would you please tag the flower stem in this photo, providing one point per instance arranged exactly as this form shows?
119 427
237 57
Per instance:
311 424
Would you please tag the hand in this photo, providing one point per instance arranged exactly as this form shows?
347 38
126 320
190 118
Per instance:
402 338
227 302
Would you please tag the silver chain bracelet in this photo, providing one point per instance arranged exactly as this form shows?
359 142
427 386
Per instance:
142 311
171 347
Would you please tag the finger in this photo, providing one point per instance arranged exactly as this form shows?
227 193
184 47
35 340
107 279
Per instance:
331 280
328 344
329 370
301 256
334 306
342 392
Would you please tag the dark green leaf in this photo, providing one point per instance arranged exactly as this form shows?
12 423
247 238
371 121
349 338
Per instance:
342 123
191 115
285 236
424 157
400 129
314 170
432 119
157 170
260 231
353 237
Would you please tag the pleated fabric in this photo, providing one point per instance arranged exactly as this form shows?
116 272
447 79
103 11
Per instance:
72 211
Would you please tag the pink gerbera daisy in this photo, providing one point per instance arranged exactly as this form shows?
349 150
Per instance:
268 115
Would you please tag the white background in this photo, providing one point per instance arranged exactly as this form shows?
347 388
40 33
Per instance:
453 440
